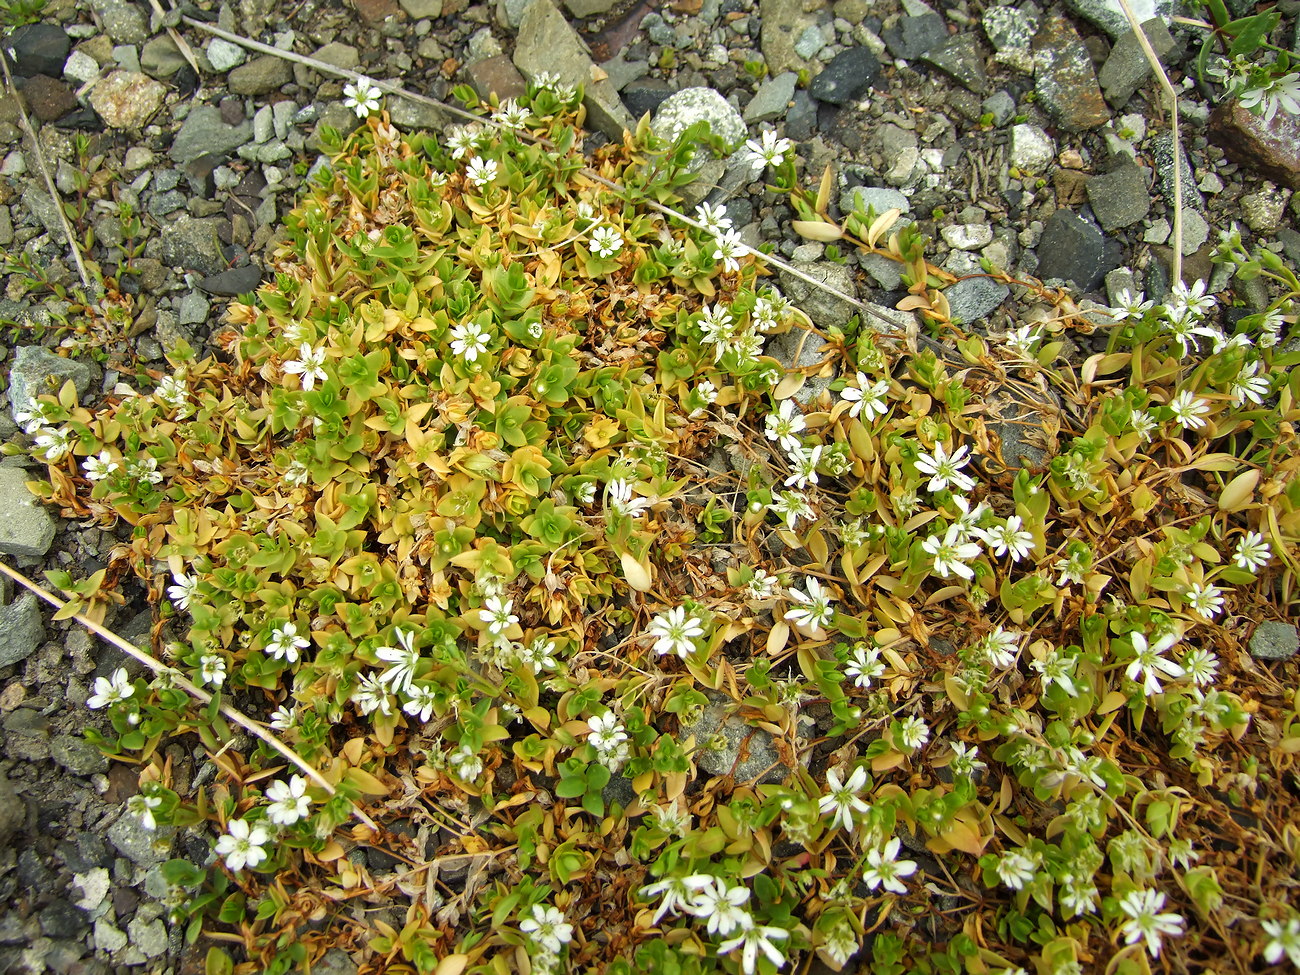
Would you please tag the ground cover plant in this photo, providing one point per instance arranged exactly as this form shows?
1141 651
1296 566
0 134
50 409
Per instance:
636 650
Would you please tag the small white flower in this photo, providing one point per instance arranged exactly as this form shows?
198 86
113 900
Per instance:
752 939
1149 661
362 97
143 806
309 364
402 661
289 801
867 397
173 392
185 590
511 114
110 690
728 249
884 868
1249 385
145 470
370 695
1016 868
607 734
913 732
296 474
841 801
946 468
675 632
770 152
481 171
762 585
467 766
814 611
421 701
864 665
606 242
1144 923
242 844
212 669
469 340
546 928
1205 601
722 907
1201 666
1191 300
539 655
678 893
497 615
965 759
713 218
283 718
1057 668
622 501
1001 647
804 463
784 426
951 554
100 467
1283 939
1129 306
54 445
285 642
1252 552
1188 411
1007 539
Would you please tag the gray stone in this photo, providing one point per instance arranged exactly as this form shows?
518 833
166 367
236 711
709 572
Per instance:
77 755
124 22
339 55
1109 14
972 299
260 76
887 273
35 49
1120 198
193 309
236 281
846 76
145 848
1001 106
510 13
690 105
193 244
203 133
967 236
772 98
546 42
334 962
13 811
39 204
911 37
421 9
589 8
1274 641
1162 154
150 937
263 124
1195 231
36 371
860 199
107 937
1126 69
730 746
822 307
1032 149
783 24
482 44
22 629
1065 81
1071 249
1263 211
960 58
801 122
59 919
223 55
81 68
126 99
161 58
1009 28
410 116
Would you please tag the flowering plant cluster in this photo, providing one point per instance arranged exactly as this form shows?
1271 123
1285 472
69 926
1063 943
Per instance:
647 652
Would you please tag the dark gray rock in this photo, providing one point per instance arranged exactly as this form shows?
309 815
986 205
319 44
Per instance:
37 371
260 76
1270 148
1065 81
911 37
59 919
77 755
334 962
962 59
1274 641
13 811
142 847
1162 154
204 133
37 49
1120 198
1009 28
646 95
1126 69
822 306
801 122
194 244
22 627
1001 106
846 76
1072 249
236 281
48 99
772 99
1109 14
124 22
972 299
730 746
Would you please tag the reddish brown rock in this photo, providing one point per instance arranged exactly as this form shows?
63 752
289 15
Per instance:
1270 148
376 11
47 98
496 74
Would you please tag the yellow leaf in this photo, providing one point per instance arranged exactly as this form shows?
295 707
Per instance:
881 224
825 233
637 574
1238 492
452 965
776 639
788 386
367 783
824 190
1111 702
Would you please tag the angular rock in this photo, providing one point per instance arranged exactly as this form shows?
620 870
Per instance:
772 99
204 133
1273 641
878 198
496 74
911 37
748 753
127 99
37 371
80 68
22 628
967 236
150 937
236 281
47 99
124 22
1009 28
783 24
1001 106
77 755
962 60
1270 148
846 76
194 244
646 95
1120 198
141 846
409 115
1072 249
1126 69
972 299
421 9
824 308
376 11
161 58
1109 14
1162 153
223 55
37 49
13 811
1065 82
589 8
260 76
679 112
546 42
1032 149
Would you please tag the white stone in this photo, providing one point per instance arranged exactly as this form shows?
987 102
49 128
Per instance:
967 236
1032 149
107 937
690 105
95 884
14 164
223 55
80 68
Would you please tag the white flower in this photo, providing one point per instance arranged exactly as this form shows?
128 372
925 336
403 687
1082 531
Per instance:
1252 552
469 340
1057 668
546 928
675 632
460 140
946 468
968 521
1129 306
804 461
678 893
721 906
481 171
770 152
1201 666
539 655
864 665
1023 340
716 327
1016 868
54 444
1143 424
144 469
1249 386
185 590
242 844
465 763
913 732
283 718
421 701
672 818
752 939
289 801
401 660
841 800
297 473
110 690
790 506
762 585
1191 300
496 614
784 426
511 114
143 806
362 97
1144 923
1205 601
212 669
309 363
728 249
713 218
606 733
1007 539
867 397
965 759
884 867
814 611
1149 661
1188 411
285 642
100 467
1078 896
370 696
37 417
606 242
951 554
1280 93
1283 939
622 501
1001 647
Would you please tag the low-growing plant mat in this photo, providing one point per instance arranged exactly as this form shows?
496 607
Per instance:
649 652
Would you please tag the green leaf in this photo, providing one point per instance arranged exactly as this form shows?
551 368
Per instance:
1251 31
182 873
218 963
